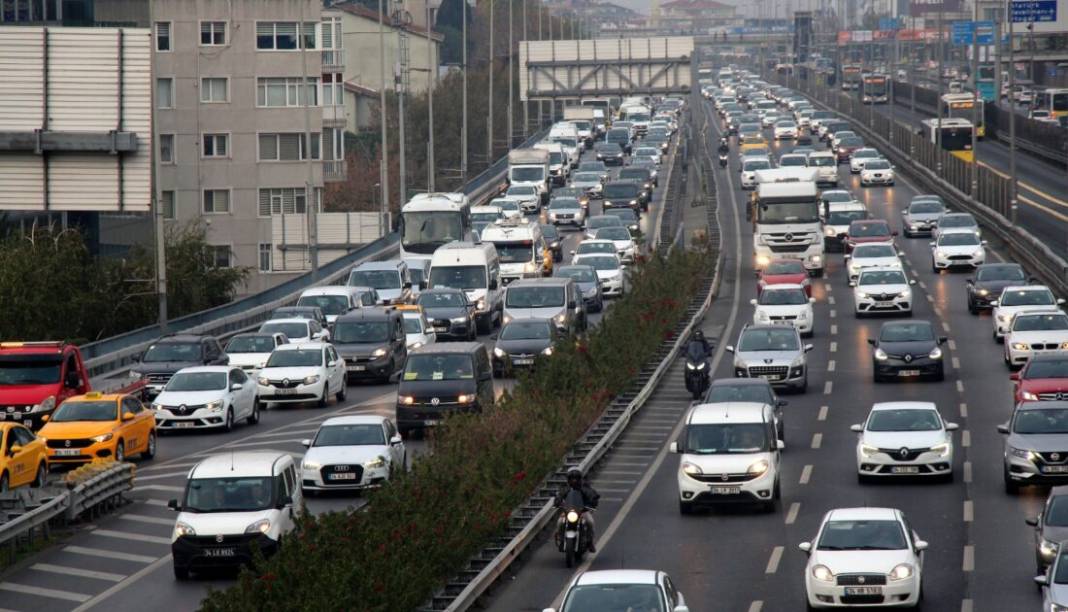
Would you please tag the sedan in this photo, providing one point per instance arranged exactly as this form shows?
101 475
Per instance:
206 397
609 152
882 290
922 215
846 146
23 457
957 222
877 172
98 426
872 255
785 130
625 590
521 341
904 439
957 249
860 157
609 270
875 544
596 222
868 231
1034 333
310 371
589 181
1017 299
527 196
907 349
295 330
621 238
652 153
250 351
566 211
627 217
985 287
784 305
1051 527
784 272
1043 378
352 452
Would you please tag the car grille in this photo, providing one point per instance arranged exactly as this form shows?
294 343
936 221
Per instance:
784 318
862 599
356 360
1045 346
159 378
226 540
1046 397
327 470
960 257
861 579
286 384
774 371
1047 457
910 454
563 217
13 409
883 297
725 478
445 324
82 443
184 410
788 248
906 357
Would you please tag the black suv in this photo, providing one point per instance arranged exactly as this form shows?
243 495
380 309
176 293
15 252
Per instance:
624 194
372 343
163 358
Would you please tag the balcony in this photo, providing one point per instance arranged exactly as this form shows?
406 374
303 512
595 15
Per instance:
333 60
334 171
334 116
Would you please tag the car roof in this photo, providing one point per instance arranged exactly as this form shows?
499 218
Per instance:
183 338
624 576
881 269
441 290
244 463
97 396
386 264
297 346
552 281
727 412
862 514
288 320
368 314
1054 356
907 405
328 290
784 286
740 382
355 419
446 348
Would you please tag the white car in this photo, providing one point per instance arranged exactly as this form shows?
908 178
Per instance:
860 157
1017 299
1033 333
622 240
882 290
826 164
206 397
587 247
417 330
609 271
872 255
750 165
956 222
861 555
304 372
957 249
589 181
904 439
352 452
296 330
527 195
250 351
625 589
770 118
784 305
566 211
877 172
785 130
652 153
509 206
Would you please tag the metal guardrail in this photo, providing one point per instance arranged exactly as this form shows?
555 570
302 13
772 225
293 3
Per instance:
24 520
102 488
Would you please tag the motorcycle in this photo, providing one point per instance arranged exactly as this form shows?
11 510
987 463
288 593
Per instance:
697 375
571 533
722 160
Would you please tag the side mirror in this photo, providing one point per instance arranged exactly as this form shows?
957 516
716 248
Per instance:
236 387
127 416
871 341
952 427
809 347
15 449
982 242
674 448
729 348
806 547
1014 377
1003 428
306 442
856 427
1042 580
331 364
811 300
407 285
1060 301
284 500
995 303
920 545
1032 521
753 302
493 284
942 339
494 336
396 439
173 505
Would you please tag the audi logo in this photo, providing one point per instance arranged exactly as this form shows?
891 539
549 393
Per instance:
219 538
860 579
341 468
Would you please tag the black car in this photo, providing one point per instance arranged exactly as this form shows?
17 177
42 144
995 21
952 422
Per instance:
449 312
624 194
609 153
588 283
443 378
553 239
640 174
989 280
592 166
619 136
300 312
164 357
907 349
724 390
372 342
521 342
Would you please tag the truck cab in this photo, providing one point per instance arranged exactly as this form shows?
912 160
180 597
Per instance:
786 217
521 249
530 168
35 377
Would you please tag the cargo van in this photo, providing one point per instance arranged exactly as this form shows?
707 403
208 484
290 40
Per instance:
474 269
389 278
521 249
333 300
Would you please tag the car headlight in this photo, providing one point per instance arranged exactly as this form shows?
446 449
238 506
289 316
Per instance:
690 469
378 352
407 400
1021 453
103 437
183 529
1027 395
310 465
862 295
548 351
498 352
802 316
880 354
822 573
1003 318
458 320
936 353
983 292
868 450
375 463
1047 548
216 405
506 320
415 346
829 232
901 572
762 261
263 380
311 380
1057 608
262 526
942 449
156 406
465 399
758 468
45 406
763 316
591 293
560 318
1019 346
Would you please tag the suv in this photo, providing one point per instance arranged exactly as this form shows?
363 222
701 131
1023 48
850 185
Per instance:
163 358
35 377
730 454
774 353
622 194
372 342
1036 445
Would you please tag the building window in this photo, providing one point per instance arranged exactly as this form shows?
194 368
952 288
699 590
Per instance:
287 147
220 255
212 33
284 201
265 256
278 92
166 205
333 90
216 201
284 35
163 36
214 89
166 149
165 92
216 145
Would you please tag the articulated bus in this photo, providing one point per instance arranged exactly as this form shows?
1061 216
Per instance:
962 106
956 136
1053 100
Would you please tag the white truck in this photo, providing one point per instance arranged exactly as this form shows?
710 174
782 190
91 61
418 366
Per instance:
520 247
583 118
559 162
530 167
786 218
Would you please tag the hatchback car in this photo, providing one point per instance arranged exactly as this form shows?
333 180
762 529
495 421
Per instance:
1054 583
1051 527
628 218
611 153
520 343
774 353
877 172
784 272
1036 445
596 222
1043 378
351 453
622 589
882 290
207 397
624 194
590 182
250 351
904 439
868 231
296 330
872 255
907 349
450 313
990 279
609 270
957 249
922 215
784 305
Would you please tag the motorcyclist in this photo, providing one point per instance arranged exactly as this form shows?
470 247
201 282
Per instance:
699 339
590 499
724 147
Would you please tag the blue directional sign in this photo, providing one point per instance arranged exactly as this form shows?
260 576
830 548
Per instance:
1033 11
889 23
963 31
984 31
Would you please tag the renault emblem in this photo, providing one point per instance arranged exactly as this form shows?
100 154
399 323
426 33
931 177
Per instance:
860 579
903 453
66 443
219 538
181 408
285 382
908 358
434 401
724 477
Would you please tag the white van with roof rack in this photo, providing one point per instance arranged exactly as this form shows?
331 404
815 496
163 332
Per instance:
520 248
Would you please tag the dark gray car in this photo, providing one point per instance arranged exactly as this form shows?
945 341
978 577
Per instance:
723 390
907 349
1051 527
449 312
985 287
521 342
586 278
163 358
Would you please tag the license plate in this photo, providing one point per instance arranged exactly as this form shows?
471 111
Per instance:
181 424
67 452
342 476
782 322
908 373
439 329
357 368
220 552
429 423
522 361
865 590
285 391
884 304
770 376
905 469
1055 469
724 490
571 535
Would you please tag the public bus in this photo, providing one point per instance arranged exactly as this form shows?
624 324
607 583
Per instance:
873 89
851 76
956 136
1053 100
430 220
962 106
987 86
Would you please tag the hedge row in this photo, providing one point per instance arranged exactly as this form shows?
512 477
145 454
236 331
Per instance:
418 531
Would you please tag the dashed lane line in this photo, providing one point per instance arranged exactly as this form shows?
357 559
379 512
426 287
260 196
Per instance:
969 511
965 438
773 561
830 300
155 565
817 440
956 363
945 326
966 605
960 386
791 514
834 313
834 347
77 571
806 474
822 416
158 488
756 606
963 410
968 562
831 365
967 471
834 330
828 386
43 592
952 344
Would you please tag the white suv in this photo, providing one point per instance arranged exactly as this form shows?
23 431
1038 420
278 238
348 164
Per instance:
1021 298
904 439
730 454
882 290
1033 333
306 372
774 353
784 305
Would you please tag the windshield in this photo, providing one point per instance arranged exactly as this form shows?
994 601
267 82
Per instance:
725 439
1046 368
1027 297
556 158
458 277
906 332
925 207
845 217
592 166
739 393
353 434
86 411
904 420
29 369
769 340
479 217
423 232
515 252
612 233
175 351
197 381
298 358
295 312
1041 421
600 262
439 367
783 297
756 164
507 205
251 344
877 164
526 174
526 330
534 297
644 151
1057 514
638 174
412 325
563 204
869 230
522 190
823 161
885 277
595 223
787 161
361 332
1033 322
329 304
549 232
957 221
376 279
614 598
862 535
620 191
291 330
958 239
234 494
581 274
442 299
789 212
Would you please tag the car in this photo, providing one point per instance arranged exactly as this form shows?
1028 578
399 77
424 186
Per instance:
990 279
774 353
647 164
440 379
835 196
826 165
588 284
417 328
296 330
611 153
388 277
250 351
845 146
956 222
596 222
450 313
864 556
510 207
907 349
882 290
332 299
555 299
300 312
793 160
1050 527
1016 299
904 439
528 197
1036 445
860 157
303 372
566 211
372 343
784 272
769 119
609 271
957 249
922 215
1043 378
730 454
621 238
785 130
642 174
877 172
23 457
573 192
553 240
590 182
839 135
867 231
872 255
653 153
594 166
1054 582
351 453
100 426
784 305
171 353
594 246
724 390
521 341
485 215
624 194
750 165
1033 333
625 590
628 219
207 397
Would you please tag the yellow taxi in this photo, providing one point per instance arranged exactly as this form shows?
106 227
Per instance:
99 426
752 143
23 459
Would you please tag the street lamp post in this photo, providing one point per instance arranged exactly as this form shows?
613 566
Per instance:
431 77
383 163
975 100
941 68
489 115
1013 186
511 93
463 95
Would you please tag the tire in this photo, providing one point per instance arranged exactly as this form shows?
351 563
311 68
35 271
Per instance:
255 416
324 398
228 425
343 393
150 449
570 554
41 477
120 452
972 308
181 573
1011 488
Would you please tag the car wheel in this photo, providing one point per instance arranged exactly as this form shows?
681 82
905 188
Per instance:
972 308
228 425
41 477
181 573
120 452
150 449
1011 487
324 398
255 416
344 391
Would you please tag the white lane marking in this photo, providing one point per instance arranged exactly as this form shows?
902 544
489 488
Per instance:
262 443
960 386
967 471
834 313
806 474
158 488
969 511
834 347
756 606
791 514
963 410
156 502
968 563
830 300
773 562
817 440
965 438
923 285
834 330
43 592
139 478
611 499
929 298
956 363
284 433
828 287
108 554
945 326
831 365
136 537
156 564
822 416
828 387
77 571
952 344
141 518
966 605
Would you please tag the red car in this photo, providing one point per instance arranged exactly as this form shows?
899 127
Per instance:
1043 378
864 231
784 272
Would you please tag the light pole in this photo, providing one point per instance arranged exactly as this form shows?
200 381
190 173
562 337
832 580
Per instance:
1013 193
526 104
941 59
489 117
511 93
463 95
383 160
430 81
975 100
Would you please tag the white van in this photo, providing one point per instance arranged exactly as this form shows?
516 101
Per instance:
567 134
388 277
333 300
233 503
476 270
520 248
559 162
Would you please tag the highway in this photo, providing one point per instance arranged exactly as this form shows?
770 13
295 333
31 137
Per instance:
122 561
981 552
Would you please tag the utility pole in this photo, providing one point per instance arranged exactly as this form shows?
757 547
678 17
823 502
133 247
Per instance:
526 104
489 117
541 36
463 95
431 79
1013 187
941 59
158 225
511 77
402 75
975 100
383 160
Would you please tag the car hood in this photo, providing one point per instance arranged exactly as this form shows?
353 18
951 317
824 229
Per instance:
757 358
163 367
76 429
995 287
534 346
569 211
861 561
883 288
351 455
1055 533
608 274
874 262
1048 335
1014 310
585 286
225 523
864 169
911 216
546 312
189 398
963 249
864 239
1045 385
388 295
436 388
903 439
726 464
916 348
783 279
783 310
27 394
445 313
1039 442
359 349
295 373
474 295
251 359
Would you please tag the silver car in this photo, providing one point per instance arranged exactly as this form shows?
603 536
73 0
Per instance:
1054 582
774 353
590 181
922 215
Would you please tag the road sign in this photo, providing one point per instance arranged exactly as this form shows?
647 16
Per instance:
1031 11
963 31
889 23
984 32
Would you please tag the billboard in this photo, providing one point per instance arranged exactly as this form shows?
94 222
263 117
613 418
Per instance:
933 7
1048 16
